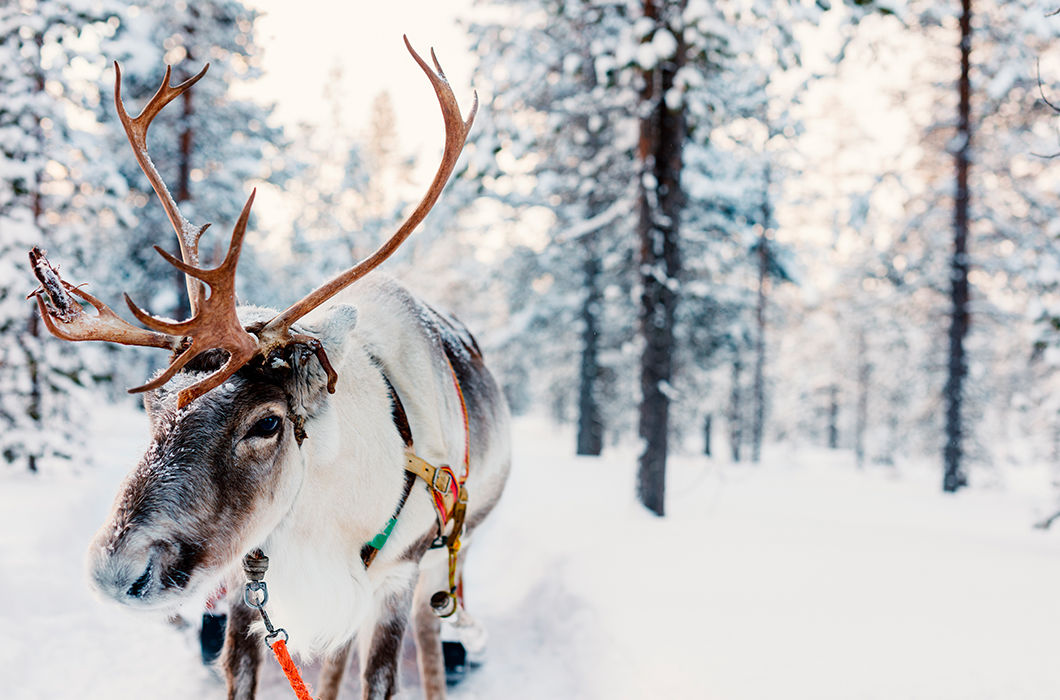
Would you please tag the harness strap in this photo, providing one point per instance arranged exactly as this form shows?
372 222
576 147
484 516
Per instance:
443 484
401 422
463 414
448 493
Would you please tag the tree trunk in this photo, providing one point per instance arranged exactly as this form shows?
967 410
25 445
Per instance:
707 421
590 421
833 417
862 418
35 409
183 305
662 133
758 396
590 425
954 477
735 410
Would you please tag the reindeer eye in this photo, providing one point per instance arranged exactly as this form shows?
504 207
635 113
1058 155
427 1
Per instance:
266 427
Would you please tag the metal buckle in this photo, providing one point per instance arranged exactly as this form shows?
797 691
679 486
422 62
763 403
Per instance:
434 480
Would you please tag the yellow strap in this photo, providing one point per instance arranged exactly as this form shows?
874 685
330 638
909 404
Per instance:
437 479
441 483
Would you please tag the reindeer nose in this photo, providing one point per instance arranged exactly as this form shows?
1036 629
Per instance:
140 585
127 574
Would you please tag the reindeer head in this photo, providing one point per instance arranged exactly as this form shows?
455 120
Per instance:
218 476
224 464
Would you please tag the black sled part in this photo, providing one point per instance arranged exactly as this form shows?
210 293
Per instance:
456 665
212 636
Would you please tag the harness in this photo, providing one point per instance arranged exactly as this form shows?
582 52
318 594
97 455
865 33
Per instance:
448 492
448 495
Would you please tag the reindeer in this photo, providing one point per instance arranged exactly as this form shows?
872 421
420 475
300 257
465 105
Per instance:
304 435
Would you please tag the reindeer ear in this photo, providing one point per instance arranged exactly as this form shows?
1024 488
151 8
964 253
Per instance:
340 322
308 386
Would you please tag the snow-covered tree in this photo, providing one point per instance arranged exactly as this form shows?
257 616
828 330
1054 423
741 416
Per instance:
999 207
209 146
56 189
558 137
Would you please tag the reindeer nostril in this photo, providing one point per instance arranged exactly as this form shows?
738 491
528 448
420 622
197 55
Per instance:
137 589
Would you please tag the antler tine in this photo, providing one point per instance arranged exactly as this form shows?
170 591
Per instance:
237 357
456 130
136 130
227 269
216 325
65 319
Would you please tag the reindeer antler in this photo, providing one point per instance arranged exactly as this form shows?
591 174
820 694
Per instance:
188 235
66 319
214 322
216 325
276 331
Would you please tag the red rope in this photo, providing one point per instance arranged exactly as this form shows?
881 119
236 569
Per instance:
279 648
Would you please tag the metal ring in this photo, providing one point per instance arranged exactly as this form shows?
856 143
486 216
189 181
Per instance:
270 638
253 587
443 604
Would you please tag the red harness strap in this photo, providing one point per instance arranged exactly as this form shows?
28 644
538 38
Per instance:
467 425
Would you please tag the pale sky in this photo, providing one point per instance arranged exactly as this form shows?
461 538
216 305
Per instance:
305 39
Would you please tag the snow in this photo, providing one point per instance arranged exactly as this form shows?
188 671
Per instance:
800 578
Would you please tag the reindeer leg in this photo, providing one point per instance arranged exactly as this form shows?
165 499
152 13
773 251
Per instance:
427 629
334 668
241 655
380 651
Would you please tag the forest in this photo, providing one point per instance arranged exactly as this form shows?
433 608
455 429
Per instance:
705 226
771 289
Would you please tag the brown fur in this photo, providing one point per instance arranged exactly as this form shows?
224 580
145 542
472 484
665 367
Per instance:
333 671
379 674
242 654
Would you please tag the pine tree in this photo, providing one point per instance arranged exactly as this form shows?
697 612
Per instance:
659 203
208 146
558 113
995 193
55 189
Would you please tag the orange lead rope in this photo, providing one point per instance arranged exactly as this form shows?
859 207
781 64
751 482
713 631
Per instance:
255 595
279 648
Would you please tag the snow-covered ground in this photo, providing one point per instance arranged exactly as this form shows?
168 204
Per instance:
802 578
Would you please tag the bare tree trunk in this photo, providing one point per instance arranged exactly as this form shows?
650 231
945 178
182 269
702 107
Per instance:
590 425
36 393
862 418
736 410
758 396
833 417
707 421
182 309
954 476
662 133
590 421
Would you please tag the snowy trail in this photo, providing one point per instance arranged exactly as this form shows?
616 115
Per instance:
798 579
